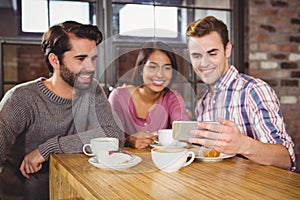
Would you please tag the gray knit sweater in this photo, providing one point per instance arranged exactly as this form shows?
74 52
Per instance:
31 116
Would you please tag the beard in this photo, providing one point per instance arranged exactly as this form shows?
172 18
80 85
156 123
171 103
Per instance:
72 78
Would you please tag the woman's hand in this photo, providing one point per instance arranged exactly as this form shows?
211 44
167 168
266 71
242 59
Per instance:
141 140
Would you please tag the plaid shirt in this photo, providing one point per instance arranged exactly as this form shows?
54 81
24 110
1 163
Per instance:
251 104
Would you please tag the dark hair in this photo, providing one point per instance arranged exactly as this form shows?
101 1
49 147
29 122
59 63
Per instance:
56 40
205 26
144 54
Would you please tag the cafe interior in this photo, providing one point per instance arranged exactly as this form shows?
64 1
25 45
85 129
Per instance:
265 35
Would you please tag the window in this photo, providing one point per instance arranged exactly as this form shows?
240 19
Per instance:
21 61
160 21
38 15
163 18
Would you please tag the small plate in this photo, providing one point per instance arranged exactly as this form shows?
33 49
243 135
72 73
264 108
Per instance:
178 144
214 159
132 162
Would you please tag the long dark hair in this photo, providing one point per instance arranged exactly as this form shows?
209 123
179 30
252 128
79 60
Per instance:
144 54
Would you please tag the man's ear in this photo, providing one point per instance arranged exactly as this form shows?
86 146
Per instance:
53 59
228 49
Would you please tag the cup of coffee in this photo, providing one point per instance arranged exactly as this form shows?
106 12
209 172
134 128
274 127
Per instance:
165 137
102 144
171 159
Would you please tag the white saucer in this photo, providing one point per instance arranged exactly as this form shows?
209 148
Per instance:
214 159
178 144
132 162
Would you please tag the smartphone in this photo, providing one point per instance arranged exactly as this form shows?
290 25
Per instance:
182 129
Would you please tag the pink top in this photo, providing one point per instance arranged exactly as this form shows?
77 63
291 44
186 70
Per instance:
170 107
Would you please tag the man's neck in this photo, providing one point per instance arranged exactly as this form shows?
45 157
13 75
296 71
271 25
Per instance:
60 87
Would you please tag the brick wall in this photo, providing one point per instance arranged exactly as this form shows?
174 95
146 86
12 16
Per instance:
274 55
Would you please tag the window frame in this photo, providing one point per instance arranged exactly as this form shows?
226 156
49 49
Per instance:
153 3
139 38
92 4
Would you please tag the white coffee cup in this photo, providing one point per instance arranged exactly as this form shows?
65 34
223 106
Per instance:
101 144
165 137
171 159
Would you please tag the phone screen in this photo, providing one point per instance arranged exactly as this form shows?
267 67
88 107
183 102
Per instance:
182 129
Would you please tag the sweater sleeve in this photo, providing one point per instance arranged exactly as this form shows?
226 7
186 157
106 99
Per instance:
50 146
14 118
68 144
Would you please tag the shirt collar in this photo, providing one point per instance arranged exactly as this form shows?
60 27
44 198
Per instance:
226 79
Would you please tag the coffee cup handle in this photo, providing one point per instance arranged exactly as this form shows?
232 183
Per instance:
191 159
85 152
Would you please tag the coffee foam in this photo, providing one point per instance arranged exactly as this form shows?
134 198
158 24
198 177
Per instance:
168 150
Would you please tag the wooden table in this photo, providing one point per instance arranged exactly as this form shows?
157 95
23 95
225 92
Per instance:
72 177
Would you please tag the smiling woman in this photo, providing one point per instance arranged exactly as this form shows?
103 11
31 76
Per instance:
149 104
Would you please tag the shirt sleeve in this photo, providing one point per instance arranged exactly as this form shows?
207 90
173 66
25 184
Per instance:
268 119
